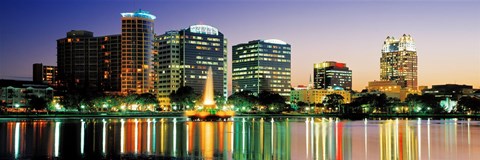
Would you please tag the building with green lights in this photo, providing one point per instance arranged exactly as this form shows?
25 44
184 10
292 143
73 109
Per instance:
182 58
262 65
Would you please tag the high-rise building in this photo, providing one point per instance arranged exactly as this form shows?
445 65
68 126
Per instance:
78 61
137 52
332 75
110 53
167 66
88 63
45 74
399 61
183 57
262 65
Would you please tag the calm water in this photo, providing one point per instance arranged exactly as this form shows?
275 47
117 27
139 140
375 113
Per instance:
242 138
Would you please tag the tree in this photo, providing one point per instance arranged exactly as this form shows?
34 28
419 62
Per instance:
468 104
368 103
423 103
333 101
242 101
147 99
302 104
392 103
71 100
184 96
37 103
220 100
273 101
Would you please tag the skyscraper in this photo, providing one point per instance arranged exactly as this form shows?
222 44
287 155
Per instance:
78 61
110 53
332 75
167 66
399 61
183 59
262 65
88 63
137 51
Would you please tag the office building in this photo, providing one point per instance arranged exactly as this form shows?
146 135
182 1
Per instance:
332 75
45 74
399 61
262 65
183 57
137 52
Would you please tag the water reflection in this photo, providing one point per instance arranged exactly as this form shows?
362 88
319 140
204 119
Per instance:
242 138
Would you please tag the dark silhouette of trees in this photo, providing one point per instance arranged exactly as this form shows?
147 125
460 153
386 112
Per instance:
426 103
37 103
183 97
273 101
466 104
370 103
333 102
243 101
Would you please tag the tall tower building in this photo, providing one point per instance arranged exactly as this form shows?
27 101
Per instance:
167 66
110 53
183 58
399 61
262 65
137 51
78 61
332 75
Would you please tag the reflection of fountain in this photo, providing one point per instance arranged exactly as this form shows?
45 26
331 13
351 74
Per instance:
208 109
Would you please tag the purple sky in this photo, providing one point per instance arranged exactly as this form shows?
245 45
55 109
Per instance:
447 33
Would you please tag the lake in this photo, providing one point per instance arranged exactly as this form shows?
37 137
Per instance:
240 138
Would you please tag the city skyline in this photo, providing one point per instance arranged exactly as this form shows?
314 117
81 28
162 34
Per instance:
341 35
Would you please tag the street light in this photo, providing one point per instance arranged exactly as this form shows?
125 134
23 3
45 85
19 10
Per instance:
17 105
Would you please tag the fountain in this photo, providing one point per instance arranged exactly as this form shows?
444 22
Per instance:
208 109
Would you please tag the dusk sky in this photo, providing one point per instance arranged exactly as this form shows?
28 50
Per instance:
447 33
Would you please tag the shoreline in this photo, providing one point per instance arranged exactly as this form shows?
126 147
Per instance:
264 115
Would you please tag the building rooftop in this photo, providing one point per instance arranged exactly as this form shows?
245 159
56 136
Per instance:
203 29
21 84
139 14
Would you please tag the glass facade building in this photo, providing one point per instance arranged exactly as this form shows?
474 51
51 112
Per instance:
332 75
262 65
399 61
183 58
137 52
